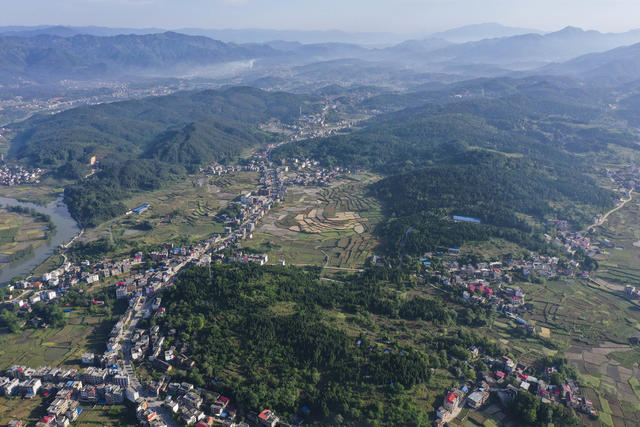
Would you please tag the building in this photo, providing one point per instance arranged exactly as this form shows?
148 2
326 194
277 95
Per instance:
122 380
477 399
451 401
268 418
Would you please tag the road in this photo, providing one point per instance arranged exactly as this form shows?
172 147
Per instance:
602 220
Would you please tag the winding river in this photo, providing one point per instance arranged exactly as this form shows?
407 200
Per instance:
66 229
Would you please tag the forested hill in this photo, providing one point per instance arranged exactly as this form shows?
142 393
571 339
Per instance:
134 128
203 142
499 191
416 137
511 161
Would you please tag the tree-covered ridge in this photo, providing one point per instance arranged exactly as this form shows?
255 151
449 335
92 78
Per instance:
49 58
264 333
540 125
129 127
141 144
493 188
98 198
204 142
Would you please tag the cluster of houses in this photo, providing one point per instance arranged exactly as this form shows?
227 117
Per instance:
14 175
626 178
67 388
320 177
220 170
456 399
506 378
509 377
571 241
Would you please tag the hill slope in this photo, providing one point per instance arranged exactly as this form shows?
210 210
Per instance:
127 128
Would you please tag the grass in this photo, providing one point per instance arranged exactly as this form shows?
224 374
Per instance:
56 346
604 404
29 231
31 411
108 415
635 386
180 213
39 194
628 359
605 419
28 411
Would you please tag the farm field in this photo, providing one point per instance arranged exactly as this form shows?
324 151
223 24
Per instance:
83 332
31 411
332 227
39 194
181 213
19 233
621 264
613 370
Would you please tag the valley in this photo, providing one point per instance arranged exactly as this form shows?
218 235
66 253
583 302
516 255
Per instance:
444 231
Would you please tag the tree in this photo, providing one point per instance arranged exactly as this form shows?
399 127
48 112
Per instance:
10 320
525 407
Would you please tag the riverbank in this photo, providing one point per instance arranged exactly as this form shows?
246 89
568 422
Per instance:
66 230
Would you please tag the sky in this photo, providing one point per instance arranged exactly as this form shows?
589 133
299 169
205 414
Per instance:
398 16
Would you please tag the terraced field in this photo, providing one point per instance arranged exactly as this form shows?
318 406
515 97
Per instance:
332 227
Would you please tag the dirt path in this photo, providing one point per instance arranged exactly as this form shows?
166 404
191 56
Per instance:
617 208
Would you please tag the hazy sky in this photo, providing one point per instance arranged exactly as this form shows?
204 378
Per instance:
350 15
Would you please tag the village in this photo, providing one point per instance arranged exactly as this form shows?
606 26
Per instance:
109 378
14 175
489 284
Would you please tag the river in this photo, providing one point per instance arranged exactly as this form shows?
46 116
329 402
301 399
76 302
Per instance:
66 229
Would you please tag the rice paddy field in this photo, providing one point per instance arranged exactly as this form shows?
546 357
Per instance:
332 227
590 322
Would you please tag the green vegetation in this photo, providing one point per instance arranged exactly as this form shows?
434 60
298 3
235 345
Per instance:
143 144
493 188
511 162
332 227
182 211
131 128
527 408
277 338
22 231
200 143
99 198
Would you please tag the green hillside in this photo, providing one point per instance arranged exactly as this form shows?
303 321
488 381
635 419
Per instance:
130 127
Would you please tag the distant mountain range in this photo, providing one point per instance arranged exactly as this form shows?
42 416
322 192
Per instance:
476 32
34 56
529 51
45 58
227 35
256 35
617 66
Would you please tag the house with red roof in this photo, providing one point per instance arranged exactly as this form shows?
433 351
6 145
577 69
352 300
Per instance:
268 418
